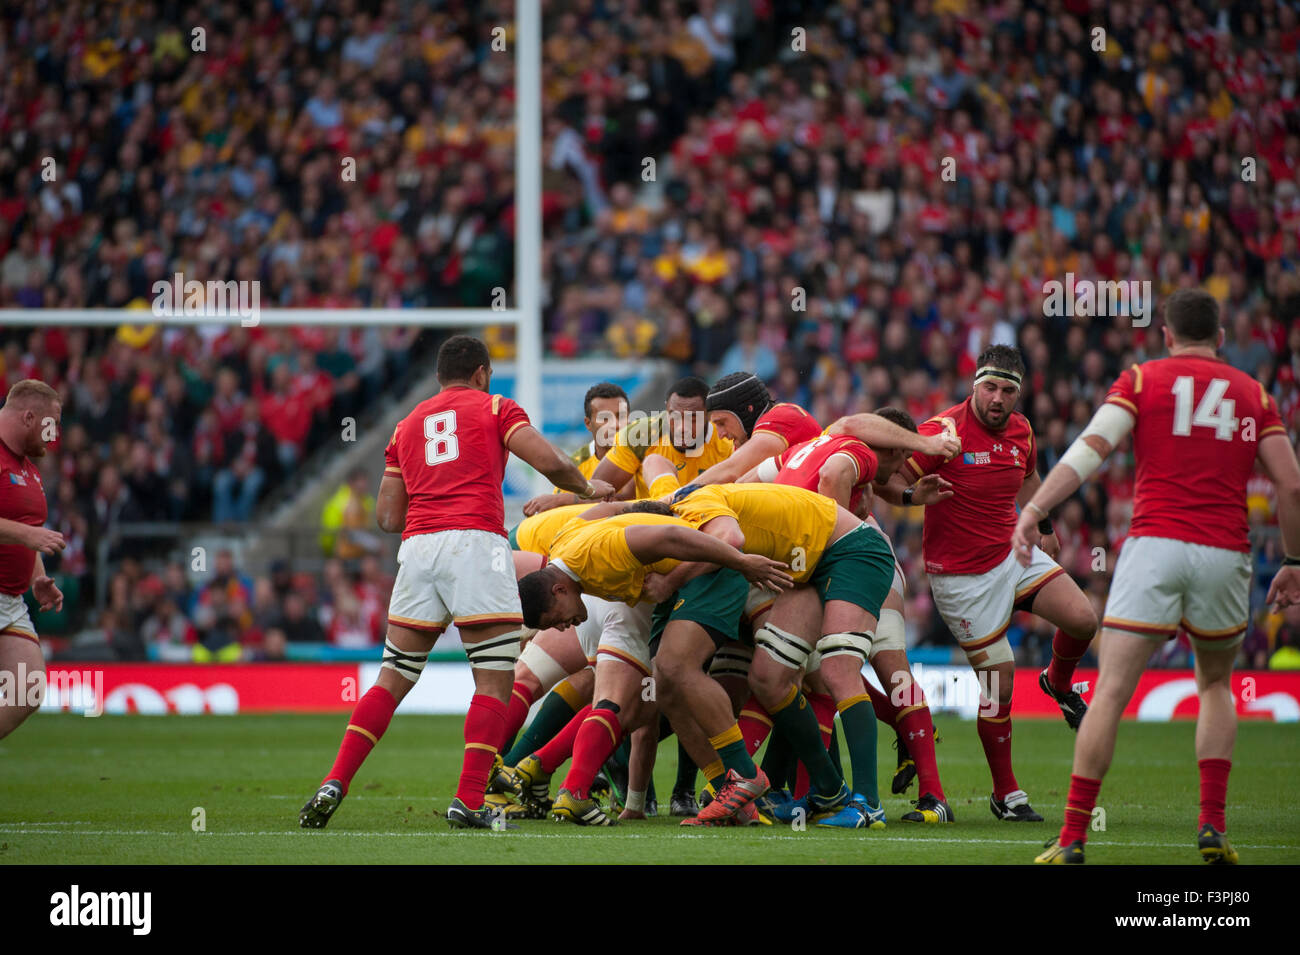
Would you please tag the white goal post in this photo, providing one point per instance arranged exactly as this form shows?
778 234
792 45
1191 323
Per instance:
525 316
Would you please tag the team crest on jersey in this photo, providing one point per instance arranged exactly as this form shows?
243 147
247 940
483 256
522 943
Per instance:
975 457
15 478
964 626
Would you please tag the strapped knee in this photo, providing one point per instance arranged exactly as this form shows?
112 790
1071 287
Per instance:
855 642
543 666
495 653
409 665
731 661
608 705
783 646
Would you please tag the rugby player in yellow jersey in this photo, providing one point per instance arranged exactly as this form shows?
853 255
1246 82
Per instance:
604 414
847 564
682 435
611 559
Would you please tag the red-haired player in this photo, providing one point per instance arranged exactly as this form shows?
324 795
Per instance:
442 490
1198 425
29 420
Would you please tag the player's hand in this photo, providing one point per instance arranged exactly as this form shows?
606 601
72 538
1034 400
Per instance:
1050 544
601 491
656 588
631 814
544 502
47 594
942 445
43 540
767 573
1285 590
1025 537
930 489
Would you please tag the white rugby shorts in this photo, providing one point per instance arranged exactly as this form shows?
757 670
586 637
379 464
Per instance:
463 575
1161 584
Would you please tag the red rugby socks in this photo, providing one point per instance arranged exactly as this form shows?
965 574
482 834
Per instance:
1067 651
370 719
1078 809
484 731
755 725
598 736
917 729
521 701
560 748
1214 792
995 733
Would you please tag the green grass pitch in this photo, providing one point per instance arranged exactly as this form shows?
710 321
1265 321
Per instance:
127 790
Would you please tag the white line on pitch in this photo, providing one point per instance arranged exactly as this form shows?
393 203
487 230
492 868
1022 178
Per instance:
7 830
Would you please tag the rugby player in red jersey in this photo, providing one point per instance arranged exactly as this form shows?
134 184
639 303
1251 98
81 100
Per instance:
975 579
1198 425
442 490
842 467
741 408
29 420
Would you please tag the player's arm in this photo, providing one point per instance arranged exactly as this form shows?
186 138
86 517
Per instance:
391 503
527 444
726 529
651 543
836 478
660 475
877 432
925 488
1046 538
32 536
1279 461
762 445
611 471
1108 427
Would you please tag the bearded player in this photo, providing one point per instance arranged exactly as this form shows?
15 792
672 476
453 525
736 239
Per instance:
975 579
29 420
1198 425
442 490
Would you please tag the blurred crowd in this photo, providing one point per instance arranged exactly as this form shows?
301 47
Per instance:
233 616
850 198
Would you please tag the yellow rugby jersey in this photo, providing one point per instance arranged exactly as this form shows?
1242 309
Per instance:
586 460
650 436
781 522
536 533
596 554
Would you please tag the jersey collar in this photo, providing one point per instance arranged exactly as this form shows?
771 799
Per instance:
563 568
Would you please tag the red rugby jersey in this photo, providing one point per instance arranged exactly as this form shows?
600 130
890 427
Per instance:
451 454
788 422
970 532
800 466
22 499
1199 424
